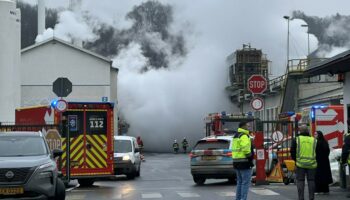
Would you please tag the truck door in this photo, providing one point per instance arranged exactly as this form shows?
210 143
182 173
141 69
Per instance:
90 141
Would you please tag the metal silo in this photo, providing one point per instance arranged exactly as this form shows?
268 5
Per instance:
10 20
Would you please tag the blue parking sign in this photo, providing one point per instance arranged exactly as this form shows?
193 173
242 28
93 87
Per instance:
73 122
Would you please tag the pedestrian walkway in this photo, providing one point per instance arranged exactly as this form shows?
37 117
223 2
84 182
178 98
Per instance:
81 195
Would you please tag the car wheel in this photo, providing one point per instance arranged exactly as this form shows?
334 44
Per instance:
131 175
198 180
232 180
86 182
138 172
60 193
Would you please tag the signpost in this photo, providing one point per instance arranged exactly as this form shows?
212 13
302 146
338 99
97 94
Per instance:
62 87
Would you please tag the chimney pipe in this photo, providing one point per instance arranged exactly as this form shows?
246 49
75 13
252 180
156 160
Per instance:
41 17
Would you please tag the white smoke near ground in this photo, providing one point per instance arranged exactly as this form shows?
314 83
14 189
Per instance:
71 26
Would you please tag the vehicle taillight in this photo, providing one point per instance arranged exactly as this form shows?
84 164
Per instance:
192 155
228 154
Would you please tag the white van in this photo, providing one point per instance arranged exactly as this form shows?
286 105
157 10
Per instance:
127 158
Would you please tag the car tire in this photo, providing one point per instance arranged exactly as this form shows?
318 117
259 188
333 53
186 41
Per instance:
232 180
60 193
138 172
131 175
199 180
86 182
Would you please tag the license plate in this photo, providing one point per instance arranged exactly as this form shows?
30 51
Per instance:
11 191
209 157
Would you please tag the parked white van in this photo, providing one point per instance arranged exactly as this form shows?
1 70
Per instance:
127 158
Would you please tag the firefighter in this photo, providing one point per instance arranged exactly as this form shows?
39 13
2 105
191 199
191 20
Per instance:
303 152
175 146
242 155
140 143
184 144
345 159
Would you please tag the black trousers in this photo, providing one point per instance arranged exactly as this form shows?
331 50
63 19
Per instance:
310 175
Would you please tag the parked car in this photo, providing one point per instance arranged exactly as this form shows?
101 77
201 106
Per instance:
27 167
127 158
211 157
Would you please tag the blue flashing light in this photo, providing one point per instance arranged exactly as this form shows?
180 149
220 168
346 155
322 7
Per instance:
54 103
312 113
290 113
319 106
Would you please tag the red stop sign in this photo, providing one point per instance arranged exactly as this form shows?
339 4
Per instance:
257 84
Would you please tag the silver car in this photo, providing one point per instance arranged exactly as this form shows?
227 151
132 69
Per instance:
27 167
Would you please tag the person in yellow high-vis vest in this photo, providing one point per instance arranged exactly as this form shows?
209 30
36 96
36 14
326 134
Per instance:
242 155
303 152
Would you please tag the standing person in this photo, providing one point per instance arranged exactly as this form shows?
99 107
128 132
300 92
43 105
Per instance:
345 160
323 172
242 156
175 146
303 152
140 143
184 144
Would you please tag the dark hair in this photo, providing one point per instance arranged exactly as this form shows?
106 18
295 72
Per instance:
320 135
241 124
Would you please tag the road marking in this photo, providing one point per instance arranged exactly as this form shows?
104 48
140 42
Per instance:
72 188
117 196
151 196
264 192
227 194
76 197
187 194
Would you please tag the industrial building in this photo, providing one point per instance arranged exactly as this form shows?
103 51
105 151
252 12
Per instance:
242 64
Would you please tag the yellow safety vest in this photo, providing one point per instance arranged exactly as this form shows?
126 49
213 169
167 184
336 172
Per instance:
241 146
306 152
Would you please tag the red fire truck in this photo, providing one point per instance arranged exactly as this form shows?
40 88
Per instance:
91 131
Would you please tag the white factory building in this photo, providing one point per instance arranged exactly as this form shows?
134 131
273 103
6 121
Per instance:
27 75
93 77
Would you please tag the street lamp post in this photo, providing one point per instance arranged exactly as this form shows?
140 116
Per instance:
308 38
288 19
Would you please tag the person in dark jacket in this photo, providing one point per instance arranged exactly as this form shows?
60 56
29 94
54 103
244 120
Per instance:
303 152
323 171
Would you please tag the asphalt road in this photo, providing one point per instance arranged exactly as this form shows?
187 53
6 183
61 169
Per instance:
167 176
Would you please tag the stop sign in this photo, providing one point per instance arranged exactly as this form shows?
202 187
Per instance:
257 84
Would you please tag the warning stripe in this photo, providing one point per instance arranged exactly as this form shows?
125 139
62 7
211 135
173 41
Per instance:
99 146
76 150
90 161
96 153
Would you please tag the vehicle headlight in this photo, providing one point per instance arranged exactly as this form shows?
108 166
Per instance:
126 157
46 170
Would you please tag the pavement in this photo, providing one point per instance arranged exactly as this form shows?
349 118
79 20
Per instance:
167 176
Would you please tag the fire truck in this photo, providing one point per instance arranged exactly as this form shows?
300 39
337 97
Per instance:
326 118
90 129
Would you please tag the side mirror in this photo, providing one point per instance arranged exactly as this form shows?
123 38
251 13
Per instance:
137 150
57 153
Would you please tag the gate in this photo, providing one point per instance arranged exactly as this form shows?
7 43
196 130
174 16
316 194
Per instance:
278 137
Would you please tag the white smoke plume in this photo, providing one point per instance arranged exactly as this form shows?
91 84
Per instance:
71 26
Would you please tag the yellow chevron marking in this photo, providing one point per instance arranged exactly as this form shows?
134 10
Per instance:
96 146
78 150
89 162
100 159
102 145
90 156
98 110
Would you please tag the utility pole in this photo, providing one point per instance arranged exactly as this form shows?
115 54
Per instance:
288 19
308 38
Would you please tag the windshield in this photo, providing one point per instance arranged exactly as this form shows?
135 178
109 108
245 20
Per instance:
122 146
22 146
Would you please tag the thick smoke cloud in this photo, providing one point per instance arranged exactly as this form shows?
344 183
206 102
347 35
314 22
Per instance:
151 29
332 32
